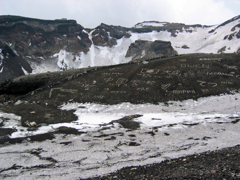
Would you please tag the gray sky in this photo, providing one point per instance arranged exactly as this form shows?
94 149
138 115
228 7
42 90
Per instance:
91 13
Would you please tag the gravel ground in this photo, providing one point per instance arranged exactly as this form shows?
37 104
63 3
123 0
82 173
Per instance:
219 164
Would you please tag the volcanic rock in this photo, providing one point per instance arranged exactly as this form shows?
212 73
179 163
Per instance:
148 50
35 37
160 80
11 64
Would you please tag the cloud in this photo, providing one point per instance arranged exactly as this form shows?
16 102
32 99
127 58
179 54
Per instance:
90 13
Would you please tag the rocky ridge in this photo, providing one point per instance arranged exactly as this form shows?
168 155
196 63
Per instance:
61 44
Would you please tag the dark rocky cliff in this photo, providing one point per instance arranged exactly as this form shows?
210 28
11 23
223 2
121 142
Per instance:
148 50
43 38
35 37
11 64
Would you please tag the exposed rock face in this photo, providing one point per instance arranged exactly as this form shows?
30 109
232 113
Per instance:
34 37
149 50
105 35
137 49
11 64
52 45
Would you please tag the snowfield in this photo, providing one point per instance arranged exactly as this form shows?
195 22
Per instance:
166 131
92 117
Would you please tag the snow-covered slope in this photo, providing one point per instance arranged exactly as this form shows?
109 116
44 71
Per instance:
188 39
108 45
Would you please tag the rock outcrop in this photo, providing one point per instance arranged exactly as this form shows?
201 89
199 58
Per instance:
35 37
12 65
149 50
105 35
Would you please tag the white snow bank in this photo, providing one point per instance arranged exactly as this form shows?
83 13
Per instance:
190 127
92 117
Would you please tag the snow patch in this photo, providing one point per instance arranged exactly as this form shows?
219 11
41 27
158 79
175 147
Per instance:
150 23
24 71
14 121
179 129
104 56
67 60
92 117
43 67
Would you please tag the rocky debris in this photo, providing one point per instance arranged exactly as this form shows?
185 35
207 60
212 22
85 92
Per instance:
128 123
185 46
107 135
6 131
222 49
73 156
148 50
68 130
153 81
39 137
160 80
219 164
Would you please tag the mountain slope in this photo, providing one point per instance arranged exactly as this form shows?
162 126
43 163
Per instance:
52 45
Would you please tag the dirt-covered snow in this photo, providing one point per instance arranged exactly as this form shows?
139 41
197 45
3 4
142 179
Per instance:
166 131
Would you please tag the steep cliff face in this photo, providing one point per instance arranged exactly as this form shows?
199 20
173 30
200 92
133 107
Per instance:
11 64
34 37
